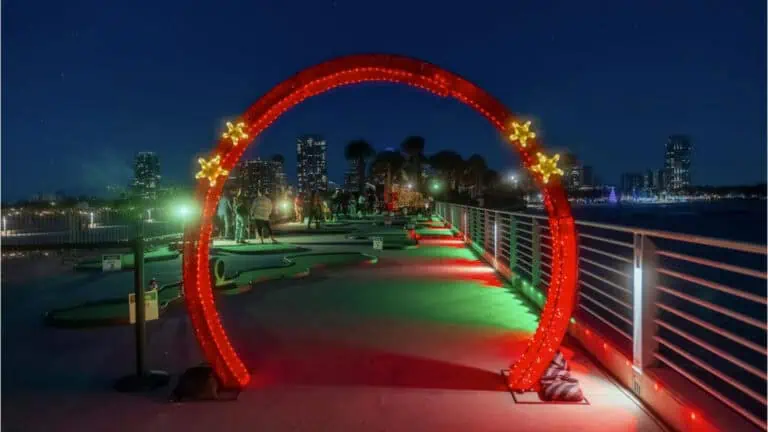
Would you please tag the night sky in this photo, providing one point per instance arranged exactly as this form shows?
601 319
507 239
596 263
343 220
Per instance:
87 84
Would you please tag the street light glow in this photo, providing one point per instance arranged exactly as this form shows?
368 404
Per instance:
183 211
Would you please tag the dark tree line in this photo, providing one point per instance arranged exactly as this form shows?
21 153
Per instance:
406 165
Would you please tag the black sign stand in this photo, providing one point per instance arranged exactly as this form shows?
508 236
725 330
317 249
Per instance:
142 380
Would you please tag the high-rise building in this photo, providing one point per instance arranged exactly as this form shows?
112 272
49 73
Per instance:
351 177
677 162
281 179
257 176
659 180
146 175
631 182
576 175
312 165
587 176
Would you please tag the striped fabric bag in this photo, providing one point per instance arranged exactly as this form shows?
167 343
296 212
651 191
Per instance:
557 384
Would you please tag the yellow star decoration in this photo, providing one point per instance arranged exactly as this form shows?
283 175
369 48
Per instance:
547 167
211 169
522 133
235 132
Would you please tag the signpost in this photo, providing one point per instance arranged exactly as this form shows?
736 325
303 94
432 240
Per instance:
111 263
378 243
151 308
143 379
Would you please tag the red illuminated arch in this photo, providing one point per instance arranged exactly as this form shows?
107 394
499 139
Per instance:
342 71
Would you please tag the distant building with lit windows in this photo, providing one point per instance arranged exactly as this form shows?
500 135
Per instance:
146 175
677 163
259 176
312 164
351 181
631 183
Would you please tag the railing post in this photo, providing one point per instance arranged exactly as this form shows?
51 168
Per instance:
536 255
466 224
512 243
485 230
644 295
495 238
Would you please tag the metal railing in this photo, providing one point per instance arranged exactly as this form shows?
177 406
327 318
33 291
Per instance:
41 229
695 305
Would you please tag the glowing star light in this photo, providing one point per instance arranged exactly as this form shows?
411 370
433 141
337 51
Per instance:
547 167
211 169
235 132
522 133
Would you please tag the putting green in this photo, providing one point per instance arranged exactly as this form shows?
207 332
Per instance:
126 260
257 248
105 312
114 311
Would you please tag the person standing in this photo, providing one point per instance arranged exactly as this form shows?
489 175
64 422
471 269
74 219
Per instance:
314 210
241 216
224 212
261 209
298 208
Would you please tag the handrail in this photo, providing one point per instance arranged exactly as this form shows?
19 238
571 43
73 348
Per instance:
732 290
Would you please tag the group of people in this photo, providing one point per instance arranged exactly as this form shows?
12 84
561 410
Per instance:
314 209
241 217
246 215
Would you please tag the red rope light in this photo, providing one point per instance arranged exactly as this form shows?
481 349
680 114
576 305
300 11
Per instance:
343 71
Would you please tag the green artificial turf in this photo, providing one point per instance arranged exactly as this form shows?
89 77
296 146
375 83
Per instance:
256 247
115 311
126 259
111 311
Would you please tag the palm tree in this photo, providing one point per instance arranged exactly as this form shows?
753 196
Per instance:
450 164
476 168
359 151
391 164
413 146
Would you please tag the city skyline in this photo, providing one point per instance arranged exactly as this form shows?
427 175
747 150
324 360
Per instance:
64 113
578 173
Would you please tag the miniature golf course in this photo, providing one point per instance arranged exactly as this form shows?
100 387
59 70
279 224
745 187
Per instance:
114 311
126 260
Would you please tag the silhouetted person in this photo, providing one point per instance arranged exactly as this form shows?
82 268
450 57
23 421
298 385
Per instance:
241 216
315 210
260 211
224 213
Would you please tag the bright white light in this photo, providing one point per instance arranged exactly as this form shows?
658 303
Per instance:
183 211
4 224
410 186
91 221
637 315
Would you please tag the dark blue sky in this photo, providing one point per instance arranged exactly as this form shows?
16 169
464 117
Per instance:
87 83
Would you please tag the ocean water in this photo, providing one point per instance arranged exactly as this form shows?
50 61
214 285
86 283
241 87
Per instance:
740 220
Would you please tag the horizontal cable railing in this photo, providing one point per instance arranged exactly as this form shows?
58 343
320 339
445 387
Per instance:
707 295
29 229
